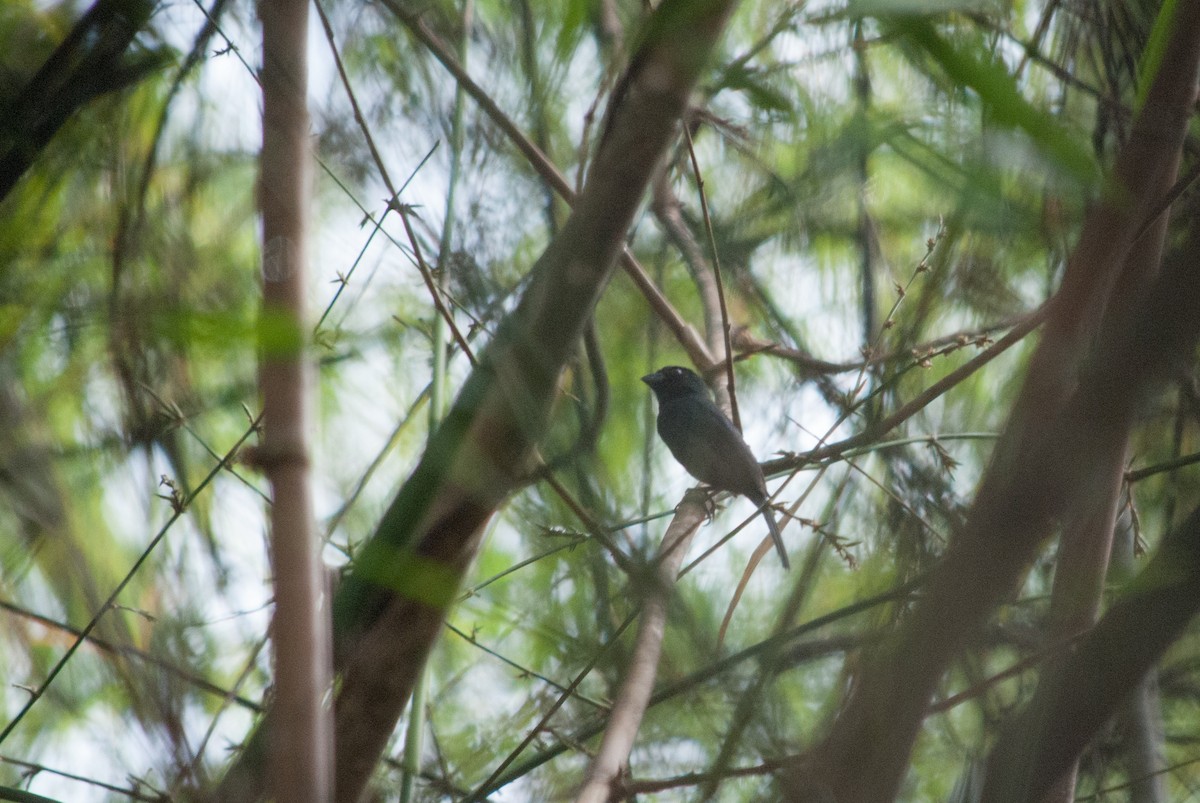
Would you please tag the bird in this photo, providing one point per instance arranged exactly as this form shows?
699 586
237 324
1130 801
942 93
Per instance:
706 443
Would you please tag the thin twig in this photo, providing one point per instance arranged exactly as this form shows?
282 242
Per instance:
727 346
112 598
393 193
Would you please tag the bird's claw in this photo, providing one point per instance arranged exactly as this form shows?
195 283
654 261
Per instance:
705 496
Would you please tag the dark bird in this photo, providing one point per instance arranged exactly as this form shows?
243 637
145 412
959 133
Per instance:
706 443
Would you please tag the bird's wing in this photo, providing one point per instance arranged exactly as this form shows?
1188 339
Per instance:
705 441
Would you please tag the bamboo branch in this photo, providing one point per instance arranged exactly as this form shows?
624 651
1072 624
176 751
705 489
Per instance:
300 750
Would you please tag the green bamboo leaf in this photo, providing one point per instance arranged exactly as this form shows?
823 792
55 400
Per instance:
998 92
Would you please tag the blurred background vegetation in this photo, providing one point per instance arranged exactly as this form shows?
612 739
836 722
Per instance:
895 181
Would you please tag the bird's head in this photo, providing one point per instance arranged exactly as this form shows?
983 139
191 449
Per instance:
675 381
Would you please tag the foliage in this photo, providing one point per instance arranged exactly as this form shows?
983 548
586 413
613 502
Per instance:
889 191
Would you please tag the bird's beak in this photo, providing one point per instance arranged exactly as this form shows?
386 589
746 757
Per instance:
649 378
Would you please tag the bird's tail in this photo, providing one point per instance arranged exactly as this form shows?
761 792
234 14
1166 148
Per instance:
776 536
